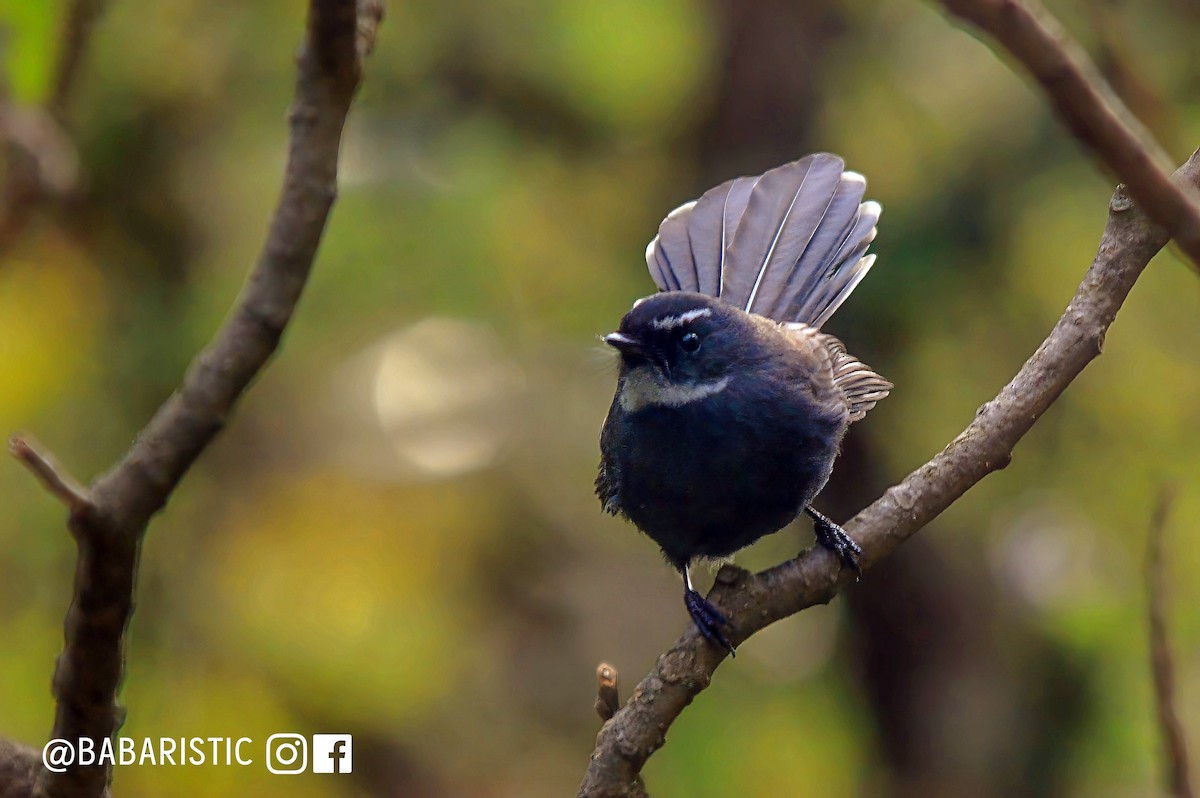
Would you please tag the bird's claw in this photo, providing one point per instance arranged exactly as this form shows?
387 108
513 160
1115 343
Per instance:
834 538
708 619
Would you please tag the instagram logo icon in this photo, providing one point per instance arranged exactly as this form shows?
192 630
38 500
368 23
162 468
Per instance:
287 753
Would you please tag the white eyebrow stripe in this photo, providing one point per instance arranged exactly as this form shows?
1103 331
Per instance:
671 322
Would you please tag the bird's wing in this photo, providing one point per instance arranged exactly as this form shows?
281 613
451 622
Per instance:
789 244
861 387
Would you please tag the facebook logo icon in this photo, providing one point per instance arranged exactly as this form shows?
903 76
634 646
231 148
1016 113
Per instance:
332 753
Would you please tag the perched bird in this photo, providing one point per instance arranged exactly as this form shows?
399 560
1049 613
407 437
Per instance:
731 403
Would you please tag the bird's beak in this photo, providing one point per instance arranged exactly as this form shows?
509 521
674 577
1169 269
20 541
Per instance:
624 344
634 351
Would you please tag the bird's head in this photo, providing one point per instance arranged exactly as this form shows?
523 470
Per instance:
678 347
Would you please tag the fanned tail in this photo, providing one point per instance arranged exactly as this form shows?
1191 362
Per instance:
789 244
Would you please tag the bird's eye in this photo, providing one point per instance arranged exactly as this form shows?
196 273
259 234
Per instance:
690 343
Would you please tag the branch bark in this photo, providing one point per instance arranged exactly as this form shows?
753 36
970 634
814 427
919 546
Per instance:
1167 209
61 485
42 160
76 34
608 700
1089 108
1162 666
754 601
109 520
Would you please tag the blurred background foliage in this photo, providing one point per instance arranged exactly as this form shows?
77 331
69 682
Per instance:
397 538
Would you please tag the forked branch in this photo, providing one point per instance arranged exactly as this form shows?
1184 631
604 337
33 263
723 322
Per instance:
1162 665
1166 209
754 601
110 519
1090 109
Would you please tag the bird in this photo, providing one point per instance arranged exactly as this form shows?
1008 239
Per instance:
731 403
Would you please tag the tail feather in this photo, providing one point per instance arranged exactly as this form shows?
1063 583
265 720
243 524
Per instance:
846 268
811 273
670 253
788 244
783 213
735 198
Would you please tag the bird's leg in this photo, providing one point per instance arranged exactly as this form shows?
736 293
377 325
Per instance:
834 538
708 618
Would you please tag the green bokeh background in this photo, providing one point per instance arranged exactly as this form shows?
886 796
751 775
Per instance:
396 536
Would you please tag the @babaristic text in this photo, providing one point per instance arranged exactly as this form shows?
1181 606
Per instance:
285 753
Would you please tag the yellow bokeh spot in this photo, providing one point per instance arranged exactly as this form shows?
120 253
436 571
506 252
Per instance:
359 594
49 304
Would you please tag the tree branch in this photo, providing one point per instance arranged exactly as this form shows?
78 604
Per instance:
19 766
1161 665
76 33
109 523
753 601
608 700
329 69
1099 120
61 485
42 163
1089 108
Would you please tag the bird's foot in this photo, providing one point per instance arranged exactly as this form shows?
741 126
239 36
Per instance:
708 618
834 538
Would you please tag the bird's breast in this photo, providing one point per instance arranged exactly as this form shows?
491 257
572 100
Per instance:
710 475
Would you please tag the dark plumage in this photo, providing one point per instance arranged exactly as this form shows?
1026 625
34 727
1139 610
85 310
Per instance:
730 403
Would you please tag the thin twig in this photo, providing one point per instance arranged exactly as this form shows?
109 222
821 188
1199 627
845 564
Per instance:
370 17
41 164
54 477
1162 667
1090 109
608 700
41 158
753 601
76 34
